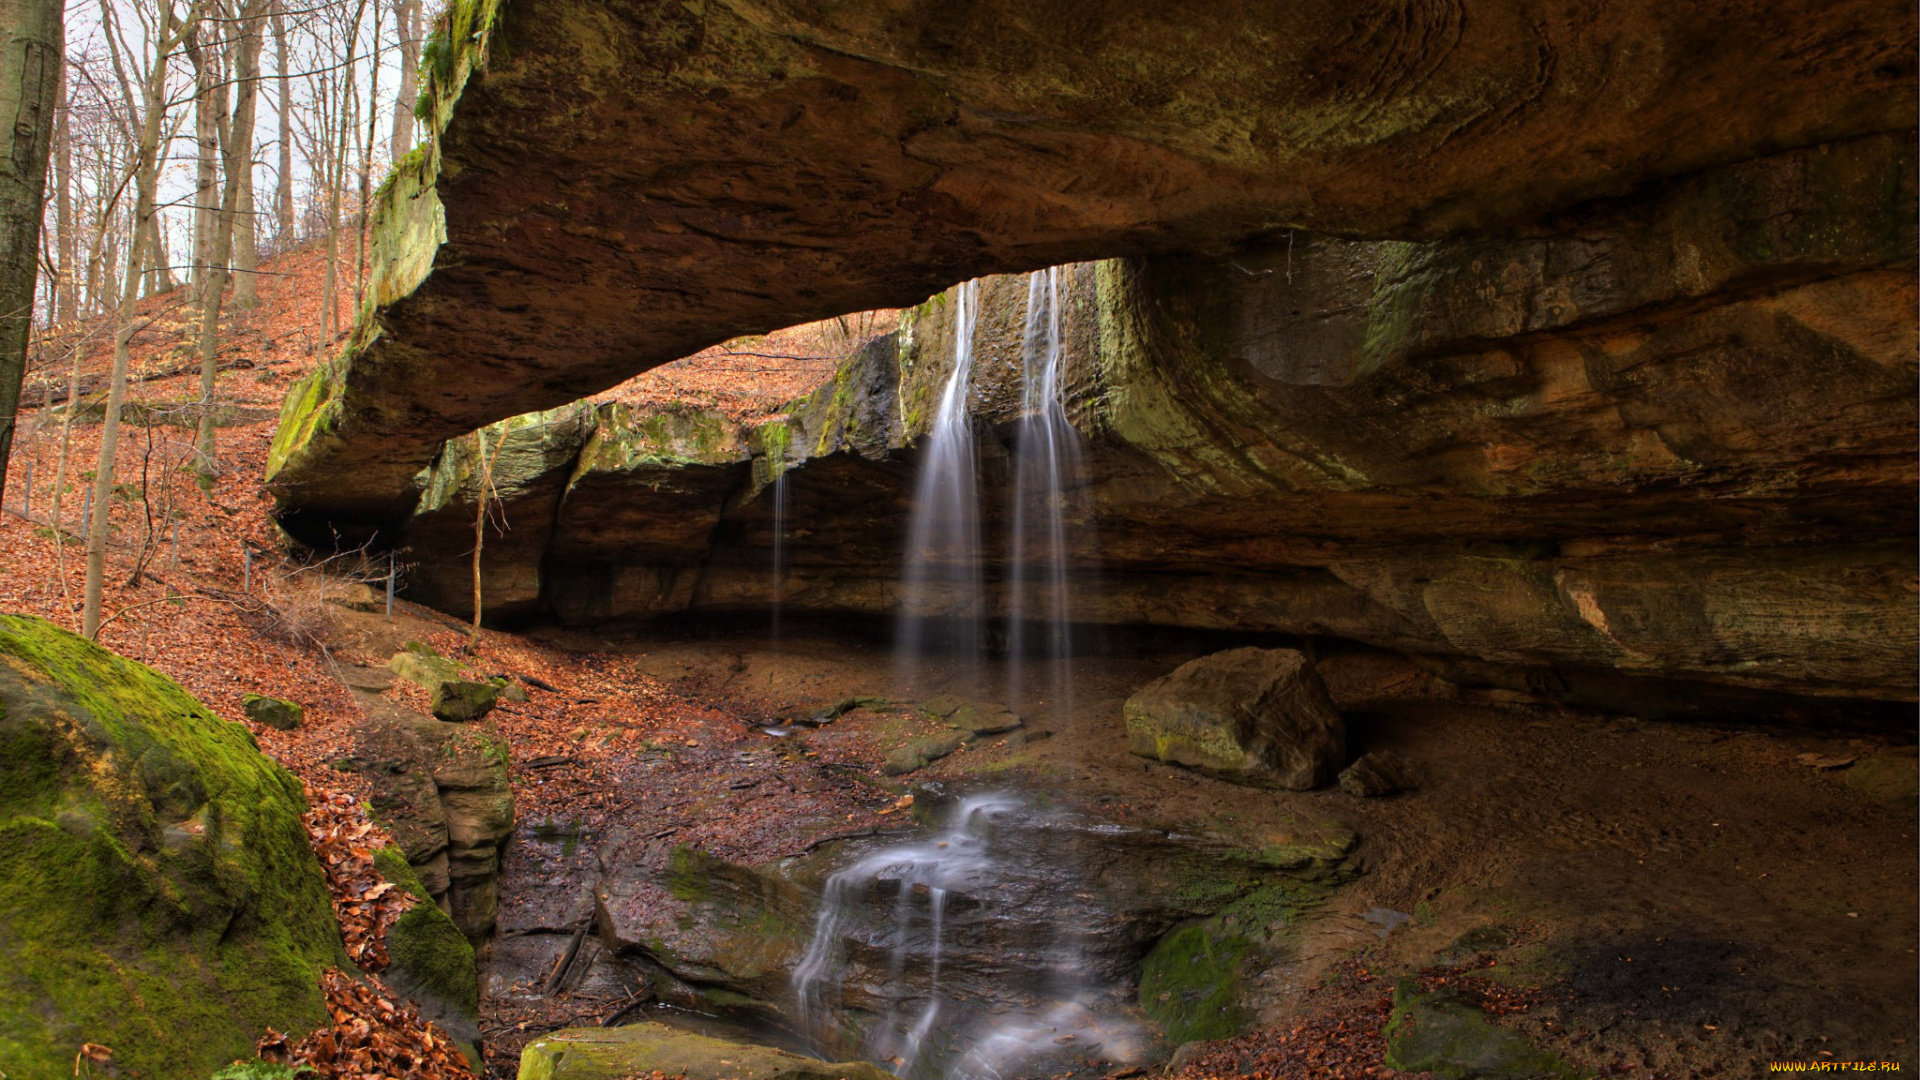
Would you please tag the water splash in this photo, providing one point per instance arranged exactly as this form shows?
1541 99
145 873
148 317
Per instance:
1047 471
921 1029
941 584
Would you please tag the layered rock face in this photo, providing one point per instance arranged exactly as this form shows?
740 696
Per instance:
1667 437
611 185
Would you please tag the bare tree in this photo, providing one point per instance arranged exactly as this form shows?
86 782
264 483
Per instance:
164 34
235 137
283 191
29 82
406 15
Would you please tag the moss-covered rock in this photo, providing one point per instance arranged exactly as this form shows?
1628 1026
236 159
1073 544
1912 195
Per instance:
1450 1038
460 701
1194 981
1254 716
157 891
639 1049
424 668
272 711
432 961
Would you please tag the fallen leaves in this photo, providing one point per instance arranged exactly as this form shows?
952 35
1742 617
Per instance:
364 902
370 1038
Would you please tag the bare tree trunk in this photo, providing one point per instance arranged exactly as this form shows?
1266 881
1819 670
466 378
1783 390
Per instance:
170 31
246 237
407 15
236 142
366 173
29 82
209 95
283 194
159 265
66 443
66 298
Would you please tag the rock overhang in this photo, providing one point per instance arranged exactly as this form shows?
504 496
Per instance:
614 185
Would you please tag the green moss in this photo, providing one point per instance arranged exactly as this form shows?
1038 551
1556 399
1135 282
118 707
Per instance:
1190 985
430 955
1440 1034
262 1070
157 891
688 875
309 411
1193 981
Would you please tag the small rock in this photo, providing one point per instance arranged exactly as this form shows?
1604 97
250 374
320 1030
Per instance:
358 597
983 719
510 690
920 753
1454 1039
1826 762
460 701
1374 774
942 706
424 669
272 711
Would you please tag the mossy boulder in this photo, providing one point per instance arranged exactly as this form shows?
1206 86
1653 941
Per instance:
432 962
157 891
420 665
460 701
1253 716
1441 1034
272 711
639 1049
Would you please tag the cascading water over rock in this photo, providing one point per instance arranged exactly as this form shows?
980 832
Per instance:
779 551
941 584
1047 469
907 935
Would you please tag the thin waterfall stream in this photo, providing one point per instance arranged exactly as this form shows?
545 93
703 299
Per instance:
1047 469
779 553
940 577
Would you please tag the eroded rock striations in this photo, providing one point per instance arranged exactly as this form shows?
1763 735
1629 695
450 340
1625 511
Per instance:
1650 445
609 186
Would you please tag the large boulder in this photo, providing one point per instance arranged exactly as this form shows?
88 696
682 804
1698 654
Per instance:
442 790
640 1049
432 963
158 895
1253 716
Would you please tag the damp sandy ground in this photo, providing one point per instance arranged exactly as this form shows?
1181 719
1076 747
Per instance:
1691 900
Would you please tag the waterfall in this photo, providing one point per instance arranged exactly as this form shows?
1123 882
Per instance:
779 552
903 899
940 579
1047 465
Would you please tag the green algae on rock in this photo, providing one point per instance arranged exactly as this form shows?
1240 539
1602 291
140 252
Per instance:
639 1049
157 891
1440 1034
